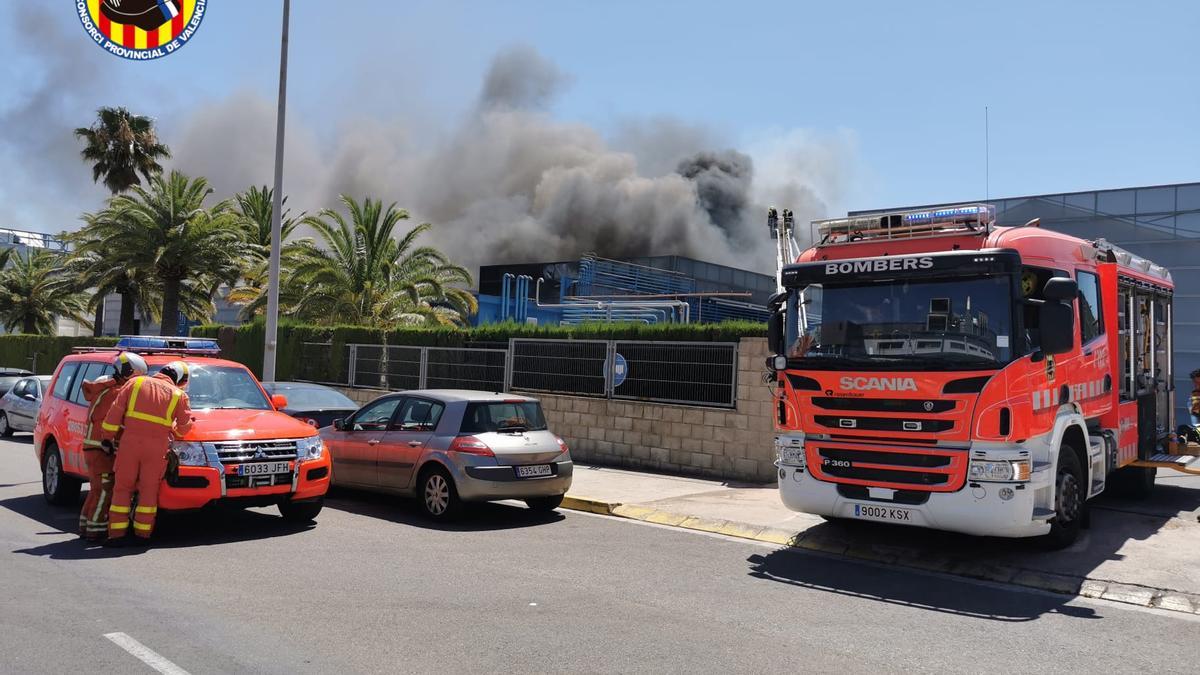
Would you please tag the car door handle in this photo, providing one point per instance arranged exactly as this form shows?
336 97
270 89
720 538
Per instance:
373 441
414 444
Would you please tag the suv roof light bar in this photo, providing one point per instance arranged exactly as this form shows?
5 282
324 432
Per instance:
951 220
149 344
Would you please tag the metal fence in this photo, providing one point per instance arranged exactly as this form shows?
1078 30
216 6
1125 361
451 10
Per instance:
688 373
676 372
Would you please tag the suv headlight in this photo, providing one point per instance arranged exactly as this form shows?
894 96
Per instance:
310 448
1000 470
190 453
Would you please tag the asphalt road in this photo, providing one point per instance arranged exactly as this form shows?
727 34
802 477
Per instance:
373 588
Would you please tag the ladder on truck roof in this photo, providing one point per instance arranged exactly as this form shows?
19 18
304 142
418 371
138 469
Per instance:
941 222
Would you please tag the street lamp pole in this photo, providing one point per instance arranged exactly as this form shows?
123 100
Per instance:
272 326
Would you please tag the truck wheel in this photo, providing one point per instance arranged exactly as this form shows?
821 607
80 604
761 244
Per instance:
1135 482
544 504
5 430
301 512
57 487
438 496
1070 502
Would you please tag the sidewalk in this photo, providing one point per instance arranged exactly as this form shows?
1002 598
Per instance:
1145 553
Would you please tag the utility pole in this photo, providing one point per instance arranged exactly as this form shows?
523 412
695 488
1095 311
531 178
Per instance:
268 372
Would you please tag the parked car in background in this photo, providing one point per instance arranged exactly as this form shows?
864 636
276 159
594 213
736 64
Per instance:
446 447
9 377
313 404
19 406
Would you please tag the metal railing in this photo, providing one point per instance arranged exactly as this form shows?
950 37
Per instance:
686 373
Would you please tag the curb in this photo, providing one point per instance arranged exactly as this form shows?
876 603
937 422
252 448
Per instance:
1142 596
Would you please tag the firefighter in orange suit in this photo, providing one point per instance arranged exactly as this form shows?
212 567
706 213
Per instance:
147 414
100 393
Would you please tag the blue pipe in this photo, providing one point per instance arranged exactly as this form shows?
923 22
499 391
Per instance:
505 285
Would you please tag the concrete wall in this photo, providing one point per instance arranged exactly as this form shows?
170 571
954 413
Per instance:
714 442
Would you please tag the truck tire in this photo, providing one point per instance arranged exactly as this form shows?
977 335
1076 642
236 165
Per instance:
57 487
1070 502
439 498
1135 482
301 512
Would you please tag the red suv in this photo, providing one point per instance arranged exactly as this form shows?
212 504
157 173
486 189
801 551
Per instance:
240 450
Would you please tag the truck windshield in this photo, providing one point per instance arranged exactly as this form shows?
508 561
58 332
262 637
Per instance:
943 324
217 387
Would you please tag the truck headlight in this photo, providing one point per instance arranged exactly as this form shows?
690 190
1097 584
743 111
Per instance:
790 455
310 448
190 453
1000 470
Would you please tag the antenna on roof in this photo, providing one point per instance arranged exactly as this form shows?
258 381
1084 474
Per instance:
987 159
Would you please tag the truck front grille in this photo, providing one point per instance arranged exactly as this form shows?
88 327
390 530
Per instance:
894 405
916 425
934 469
241 452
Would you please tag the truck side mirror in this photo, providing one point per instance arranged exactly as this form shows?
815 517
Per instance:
1057 325
775 332
1060 289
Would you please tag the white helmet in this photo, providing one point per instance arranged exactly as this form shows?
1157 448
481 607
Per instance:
178 372
128 364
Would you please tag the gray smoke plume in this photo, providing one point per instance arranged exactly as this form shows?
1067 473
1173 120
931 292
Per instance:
505 183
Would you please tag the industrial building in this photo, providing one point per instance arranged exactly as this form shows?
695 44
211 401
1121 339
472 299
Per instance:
1160 223
652 289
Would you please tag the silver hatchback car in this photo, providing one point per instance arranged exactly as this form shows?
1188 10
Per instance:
448 446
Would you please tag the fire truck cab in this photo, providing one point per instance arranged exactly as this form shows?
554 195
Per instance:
933 369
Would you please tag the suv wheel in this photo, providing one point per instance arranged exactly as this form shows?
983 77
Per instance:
301 512
58 487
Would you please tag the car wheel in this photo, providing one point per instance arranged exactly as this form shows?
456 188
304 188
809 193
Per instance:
301 512
57 487
438 496
1070 502
5 430
544 504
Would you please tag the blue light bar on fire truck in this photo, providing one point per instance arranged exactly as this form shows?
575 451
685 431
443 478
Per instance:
148 343
951 220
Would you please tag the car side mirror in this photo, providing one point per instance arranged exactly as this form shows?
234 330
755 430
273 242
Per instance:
28 396
279 401
339 424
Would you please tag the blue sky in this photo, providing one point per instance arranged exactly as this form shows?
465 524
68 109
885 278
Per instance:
1081 95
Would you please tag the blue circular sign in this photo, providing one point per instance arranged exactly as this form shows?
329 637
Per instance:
619 370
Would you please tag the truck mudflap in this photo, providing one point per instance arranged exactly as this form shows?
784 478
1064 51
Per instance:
982 509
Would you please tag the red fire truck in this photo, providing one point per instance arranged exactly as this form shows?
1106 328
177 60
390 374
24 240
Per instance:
933 369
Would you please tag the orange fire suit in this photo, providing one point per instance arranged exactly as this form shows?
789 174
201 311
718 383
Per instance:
146 414
93 520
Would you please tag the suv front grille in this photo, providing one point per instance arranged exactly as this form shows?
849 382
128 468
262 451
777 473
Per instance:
241 452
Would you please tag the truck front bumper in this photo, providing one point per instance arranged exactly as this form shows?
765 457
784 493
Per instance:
198 486
976 509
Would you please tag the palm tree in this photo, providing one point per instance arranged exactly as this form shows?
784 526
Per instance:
35 290
119 145
94 268
188 250
363 275
256 206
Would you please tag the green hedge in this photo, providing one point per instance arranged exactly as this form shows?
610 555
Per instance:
245 343
17 351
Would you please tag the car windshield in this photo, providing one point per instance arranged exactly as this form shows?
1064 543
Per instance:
312 398
216 387
501 415
948 324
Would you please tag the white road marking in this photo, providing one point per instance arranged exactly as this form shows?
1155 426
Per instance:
145 654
